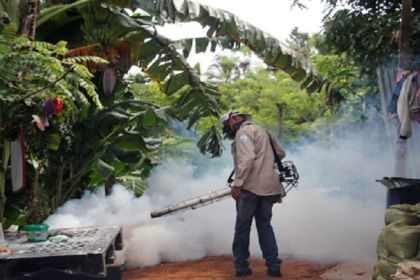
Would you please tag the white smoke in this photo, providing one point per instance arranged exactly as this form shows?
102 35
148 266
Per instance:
337 212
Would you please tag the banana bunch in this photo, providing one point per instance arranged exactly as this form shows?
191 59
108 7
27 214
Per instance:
103 15
111 40
120 3
100 25
87 8
102 35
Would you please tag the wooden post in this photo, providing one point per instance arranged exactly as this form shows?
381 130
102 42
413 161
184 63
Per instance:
35 194
109 183
2 171
404 62
404 42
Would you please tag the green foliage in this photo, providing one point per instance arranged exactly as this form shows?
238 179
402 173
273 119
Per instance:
37 70
299 44
366 39
368 31
31 73
136 184
358 87
141 87
226 69
263 92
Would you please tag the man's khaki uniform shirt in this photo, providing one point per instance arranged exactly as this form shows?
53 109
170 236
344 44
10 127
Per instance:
254 160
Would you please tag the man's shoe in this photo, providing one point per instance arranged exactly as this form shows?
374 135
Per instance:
274 273
244 273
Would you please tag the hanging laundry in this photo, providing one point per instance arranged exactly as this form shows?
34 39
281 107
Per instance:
408 106
401 77
418 83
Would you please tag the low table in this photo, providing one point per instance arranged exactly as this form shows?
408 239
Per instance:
89 251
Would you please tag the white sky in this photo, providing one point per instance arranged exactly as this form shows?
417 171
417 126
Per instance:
273 16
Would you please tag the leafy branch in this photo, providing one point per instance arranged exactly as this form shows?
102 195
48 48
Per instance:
43 88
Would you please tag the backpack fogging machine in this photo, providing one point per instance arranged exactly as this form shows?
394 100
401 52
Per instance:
288 176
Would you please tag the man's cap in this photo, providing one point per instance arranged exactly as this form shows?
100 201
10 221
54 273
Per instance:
226 116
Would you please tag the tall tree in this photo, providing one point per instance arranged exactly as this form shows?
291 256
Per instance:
258 93
227 69
298 42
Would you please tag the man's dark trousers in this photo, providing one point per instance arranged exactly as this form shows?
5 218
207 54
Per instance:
260 207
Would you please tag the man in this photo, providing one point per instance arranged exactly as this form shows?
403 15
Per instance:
256 188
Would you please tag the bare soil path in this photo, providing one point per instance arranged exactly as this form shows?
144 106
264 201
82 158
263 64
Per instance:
221 268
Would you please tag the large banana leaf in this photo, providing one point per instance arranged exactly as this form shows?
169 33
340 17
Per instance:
134 183
233 31
114 141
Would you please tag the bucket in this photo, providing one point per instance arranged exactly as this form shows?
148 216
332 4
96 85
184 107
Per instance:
37 232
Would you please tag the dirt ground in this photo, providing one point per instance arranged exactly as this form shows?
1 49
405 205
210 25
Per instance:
221 268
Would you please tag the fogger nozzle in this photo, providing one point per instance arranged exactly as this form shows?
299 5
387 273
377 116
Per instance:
192 203
288 177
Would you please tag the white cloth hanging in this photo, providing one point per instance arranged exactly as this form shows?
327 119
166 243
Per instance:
17 159
408 107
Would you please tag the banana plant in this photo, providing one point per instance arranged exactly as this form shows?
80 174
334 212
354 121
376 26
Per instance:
83 145
164 60
119 140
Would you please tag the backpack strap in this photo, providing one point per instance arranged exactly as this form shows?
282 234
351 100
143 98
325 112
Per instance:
276 156
230 179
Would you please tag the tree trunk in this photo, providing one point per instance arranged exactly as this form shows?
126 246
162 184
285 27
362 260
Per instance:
28 23
4 158
35 194
28 29
404 42
280 120
404 62
109 183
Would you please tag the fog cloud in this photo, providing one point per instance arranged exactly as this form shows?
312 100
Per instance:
337 212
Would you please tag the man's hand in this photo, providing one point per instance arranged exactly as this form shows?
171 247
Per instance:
280 199
236 192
